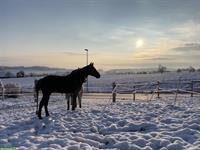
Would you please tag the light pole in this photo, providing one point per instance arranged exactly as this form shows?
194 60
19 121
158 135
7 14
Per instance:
87 64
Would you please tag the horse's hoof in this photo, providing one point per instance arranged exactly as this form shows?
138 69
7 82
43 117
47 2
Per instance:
39 116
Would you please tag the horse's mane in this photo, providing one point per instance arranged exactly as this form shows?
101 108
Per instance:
78 74
79 70
75 71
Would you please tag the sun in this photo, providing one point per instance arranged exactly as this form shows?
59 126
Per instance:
139 43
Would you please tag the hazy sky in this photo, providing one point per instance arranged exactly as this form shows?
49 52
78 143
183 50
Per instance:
118 33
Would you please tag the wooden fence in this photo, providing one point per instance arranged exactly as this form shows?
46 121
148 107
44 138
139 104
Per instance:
156 88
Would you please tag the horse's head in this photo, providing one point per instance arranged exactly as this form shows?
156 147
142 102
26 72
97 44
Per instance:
91 70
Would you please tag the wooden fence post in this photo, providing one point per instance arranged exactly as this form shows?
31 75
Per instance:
114 91
3 92
158 89
134 92
3 89
177 90
192 88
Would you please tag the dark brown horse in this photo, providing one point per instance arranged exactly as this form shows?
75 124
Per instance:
71 83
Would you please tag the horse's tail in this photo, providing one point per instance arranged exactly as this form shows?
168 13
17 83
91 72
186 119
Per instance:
36 93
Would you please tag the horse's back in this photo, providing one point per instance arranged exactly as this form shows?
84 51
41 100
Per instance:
60 84
53 77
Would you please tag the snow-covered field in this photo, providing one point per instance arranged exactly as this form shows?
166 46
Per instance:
100 124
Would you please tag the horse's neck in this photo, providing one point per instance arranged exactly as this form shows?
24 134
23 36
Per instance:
82 77
79 76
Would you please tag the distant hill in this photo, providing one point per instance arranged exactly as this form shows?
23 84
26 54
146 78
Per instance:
29 68
130 71
37 70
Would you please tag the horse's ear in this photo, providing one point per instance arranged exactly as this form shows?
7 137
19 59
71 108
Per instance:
91 63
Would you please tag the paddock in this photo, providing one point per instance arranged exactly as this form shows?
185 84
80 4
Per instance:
146 122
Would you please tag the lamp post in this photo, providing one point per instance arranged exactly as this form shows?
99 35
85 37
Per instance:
86 56
87 64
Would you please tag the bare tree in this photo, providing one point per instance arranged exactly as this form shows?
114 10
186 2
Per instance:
191 69
178 70
161 68
20 74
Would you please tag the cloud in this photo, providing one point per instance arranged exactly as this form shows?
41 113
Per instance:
189 29
188 47
73 53
160 58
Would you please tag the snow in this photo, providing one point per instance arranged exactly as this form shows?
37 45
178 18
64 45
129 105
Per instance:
126 125
100 124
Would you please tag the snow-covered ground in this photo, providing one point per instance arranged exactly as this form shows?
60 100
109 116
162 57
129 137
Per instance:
100 124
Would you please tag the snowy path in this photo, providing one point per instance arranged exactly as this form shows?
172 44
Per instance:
124 125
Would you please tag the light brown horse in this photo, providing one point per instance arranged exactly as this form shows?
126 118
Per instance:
69 97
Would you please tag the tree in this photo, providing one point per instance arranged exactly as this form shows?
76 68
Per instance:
178 70
161 68
191 69
20 74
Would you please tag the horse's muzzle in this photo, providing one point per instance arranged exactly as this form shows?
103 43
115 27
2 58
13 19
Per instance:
98 76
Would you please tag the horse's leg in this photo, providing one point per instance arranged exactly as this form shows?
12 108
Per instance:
74 101
79 100
46 105
80 96
68 101
71 96
71 99
42 102
67 97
